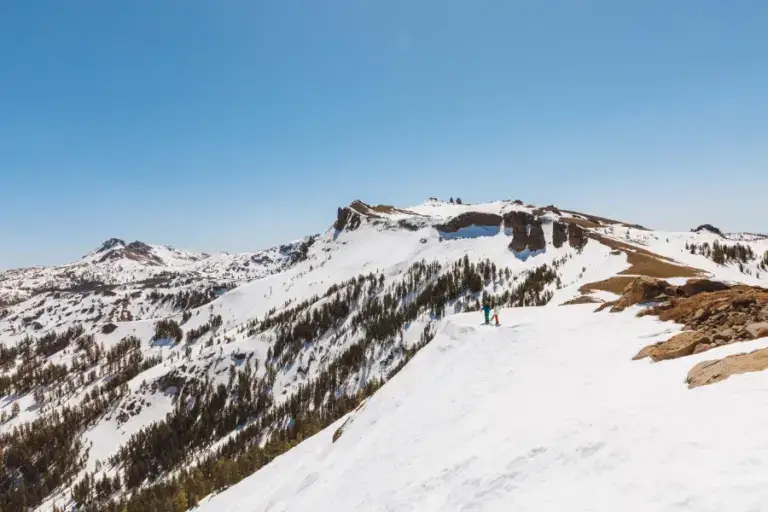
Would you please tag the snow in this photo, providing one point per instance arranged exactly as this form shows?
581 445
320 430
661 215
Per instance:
546 413
527 415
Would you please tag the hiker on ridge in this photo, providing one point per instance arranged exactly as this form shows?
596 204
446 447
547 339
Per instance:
487 311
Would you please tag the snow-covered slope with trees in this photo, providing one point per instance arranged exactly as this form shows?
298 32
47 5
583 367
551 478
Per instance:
546 413
144 378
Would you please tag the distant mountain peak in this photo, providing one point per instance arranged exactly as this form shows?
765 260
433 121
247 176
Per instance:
110 244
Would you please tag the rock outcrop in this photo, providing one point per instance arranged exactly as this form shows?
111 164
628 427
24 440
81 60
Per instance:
527 231
577 237
518 222
536 240
109 244
544 209
342 216
643 289
468 219
347 218
559 234
709 372
679 345
115 249
696 286
711 318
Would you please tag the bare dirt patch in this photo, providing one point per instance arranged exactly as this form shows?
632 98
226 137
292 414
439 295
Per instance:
605 220
646 263
615 284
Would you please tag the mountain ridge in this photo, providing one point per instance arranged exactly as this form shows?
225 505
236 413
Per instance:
254 352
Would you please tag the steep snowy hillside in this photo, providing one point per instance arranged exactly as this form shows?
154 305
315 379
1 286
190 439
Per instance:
145 378
546 413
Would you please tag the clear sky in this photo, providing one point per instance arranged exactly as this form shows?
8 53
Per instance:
236 125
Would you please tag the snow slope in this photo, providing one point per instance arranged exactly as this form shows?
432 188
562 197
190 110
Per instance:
546 413
129 287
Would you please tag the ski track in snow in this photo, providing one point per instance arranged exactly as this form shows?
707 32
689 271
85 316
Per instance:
546 413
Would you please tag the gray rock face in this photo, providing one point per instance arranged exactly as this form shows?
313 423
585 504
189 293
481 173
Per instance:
536 240
470 219
559 234
577 237
347 218
518 223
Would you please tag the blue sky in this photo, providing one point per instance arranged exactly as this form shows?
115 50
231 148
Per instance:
238 125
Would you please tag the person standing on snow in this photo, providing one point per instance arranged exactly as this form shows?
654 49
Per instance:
496 315
487 311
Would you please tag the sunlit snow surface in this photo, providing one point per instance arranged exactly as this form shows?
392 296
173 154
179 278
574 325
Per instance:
546 413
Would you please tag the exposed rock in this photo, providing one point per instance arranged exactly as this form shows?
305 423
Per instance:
115 249
605 305
680 345
109 244
709 372
758 330
701 347
347 218
714 319
536 240
470 219
726 335
342 216
551 208
518 222
559 233
695 286
641 289
582 299
576 236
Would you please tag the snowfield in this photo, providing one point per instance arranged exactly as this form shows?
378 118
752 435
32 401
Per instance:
546 413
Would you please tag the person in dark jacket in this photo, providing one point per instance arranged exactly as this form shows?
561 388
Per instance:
487 311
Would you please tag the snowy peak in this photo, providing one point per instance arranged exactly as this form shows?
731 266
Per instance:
116 250
110 244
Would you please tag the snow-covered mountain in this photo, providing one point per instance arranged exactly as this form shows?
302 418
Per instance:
143 377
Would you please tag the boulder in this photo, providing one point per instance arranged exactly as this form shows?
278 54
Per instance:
695 286
709 372
577 237
680 345
758 330
559 233
725 335
701 347
641 289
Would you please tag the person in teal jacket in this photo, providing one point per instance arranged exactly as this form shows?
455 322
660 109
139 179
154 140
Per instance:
487 311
